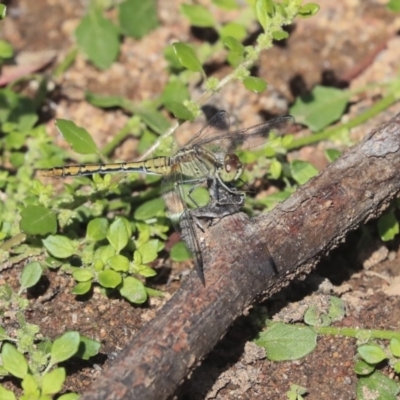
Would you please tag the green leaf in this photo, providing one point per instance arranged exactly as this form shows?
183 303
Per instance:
233 29
363 368
69 396
17 159
119 263
146 140
234 59
14 140
332 154
31 275
296 392
38 220
321 107
314 317
81 288
104 253
145 271
59 246
88 348
280 35
150 209
64 347
264 11
24 114
78 138
308 10
4 393
133 290
118 235
18 113
254 84
179 111
83 275
98 38
53 381
98 265
97 229
388 226
154 119
377 386
319 316
337 309
175 92
3 334
179 252
103 101
393 5
226 4
302 171
198 15
154 293
275 169
13 361
149 251
109 278
287 342
137 258
233 44
137 17
3 11
172 58
371 353
396 367
6 50
30 386
395 347
187 57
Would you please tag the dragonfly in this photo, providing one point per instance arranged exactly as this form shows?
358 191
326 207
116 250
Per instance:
207 160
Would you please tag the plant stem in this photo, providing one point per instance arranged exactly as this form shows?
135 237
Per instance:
17 239
378 107
357 333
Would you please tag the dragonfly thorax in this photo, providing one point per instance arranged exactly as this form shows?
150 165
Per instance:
232 168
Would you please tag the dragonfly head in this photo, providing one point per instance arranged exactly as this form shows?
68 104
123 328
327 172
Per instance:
232 168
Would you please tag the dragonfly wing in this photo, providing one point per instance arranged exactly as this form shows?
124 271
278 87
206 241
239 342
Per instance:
176 199
253 136
258 134
215 135
192 242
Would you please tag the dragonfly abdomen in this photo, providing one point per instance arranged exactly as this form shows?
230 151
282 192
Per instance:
155 166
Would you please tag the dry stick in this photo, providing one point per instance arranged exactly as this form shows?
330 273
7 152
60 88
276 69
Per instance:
355 188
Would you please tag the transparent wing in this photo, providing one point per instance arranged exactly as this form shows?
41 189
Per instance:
192 242
177 197
217 127
250 137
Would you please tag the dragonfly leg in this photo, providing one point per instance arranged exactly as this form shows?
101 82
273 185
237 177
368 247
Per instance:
196 183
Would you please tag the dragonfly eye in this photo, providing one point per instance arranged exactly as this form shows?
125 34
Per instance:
233 168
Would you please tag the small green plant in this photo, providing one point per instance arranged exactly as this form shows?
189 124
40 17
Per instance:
30 359
109 232
296 392
99 38
290 342
116 251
